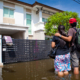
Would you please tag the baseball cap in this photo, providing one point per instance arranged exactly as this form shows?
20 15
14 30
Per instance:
72 20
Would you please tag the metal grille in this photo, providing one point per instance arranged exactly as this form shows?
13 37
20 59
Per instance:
25 50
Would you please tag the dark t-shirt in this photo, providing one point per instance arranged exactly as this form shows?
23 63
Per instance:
72 32
60 50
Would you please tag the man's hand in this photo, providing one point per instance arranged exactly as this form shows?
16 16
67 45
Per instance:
69 38
57 34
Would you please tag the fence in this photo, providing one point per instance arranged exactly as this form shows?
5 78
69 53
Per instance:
25 50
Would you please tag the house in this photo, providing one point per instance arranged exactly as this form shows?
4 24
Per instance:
24 21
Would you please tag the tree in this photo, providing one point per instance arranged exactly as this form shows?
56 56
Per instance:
61 18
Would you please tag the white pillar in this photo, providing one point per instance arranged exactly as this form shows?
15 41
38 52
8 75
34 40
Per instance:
26 34
39 35
40 15
24 16
1 64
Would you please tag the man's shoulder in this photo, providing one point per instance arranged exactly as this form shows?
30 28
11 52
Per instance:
70 28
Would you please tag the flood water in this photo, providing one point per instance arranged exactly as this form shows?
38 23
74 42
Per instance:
33 70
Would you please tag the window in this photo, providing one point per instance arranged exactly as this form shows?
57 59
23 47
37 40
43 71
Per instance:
44 19
8 13
28 22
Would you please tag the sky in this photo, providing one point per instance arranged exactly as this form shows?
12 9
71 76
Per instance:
65 5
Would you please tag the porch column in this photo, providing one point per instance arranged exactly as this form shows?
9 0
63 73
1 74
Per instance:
1 64
39 35
26 34
40 15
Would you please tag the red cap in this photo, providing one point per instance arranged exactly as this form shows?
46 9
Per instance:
72 20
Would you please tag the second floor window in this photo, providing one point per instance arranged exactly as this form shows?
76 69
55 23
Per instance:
8 13
28 22
44 19
28 17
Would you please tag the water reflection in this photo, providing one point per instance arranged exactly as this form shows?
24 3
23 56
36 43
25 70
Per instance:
34 70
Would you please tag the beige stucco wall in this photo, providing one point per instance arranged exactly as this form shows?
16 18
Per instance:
8 20
28 10
45 15
9 4
30 37
18 35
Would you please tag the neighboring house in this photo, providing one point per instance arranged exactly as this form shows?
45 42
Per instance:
24 21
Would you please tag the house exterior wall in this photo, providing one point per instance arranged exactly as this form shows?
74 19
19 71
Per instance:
20 19
35 19
24 22
39 35
9 4
19 15
8 20
18 35
1 12
20 11
45 15
30 37
28 10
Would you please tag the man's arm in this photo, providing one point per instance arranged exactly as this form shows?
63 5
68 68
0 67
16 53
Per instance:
69 38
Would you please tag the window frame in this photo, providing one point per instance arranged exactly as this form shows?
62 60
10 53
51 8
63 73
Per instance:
8 12
44 18
31 21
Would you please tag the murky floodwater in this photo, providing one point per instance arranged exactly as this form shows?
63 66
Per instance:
34 70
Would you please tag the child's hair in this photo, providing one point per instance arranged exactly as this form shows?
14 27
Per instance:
61 30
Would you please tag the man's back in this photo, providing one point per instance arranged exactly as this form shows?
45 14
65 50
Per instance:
72 32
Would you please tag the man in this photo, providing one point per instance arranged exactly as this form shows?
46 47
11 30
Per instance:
71 39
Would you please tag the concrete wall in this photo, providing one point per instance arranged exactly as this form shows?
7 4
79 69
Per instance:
18 35
45 15
35 19
26 34
8 20
9 4
1 12
24 22
30 37
39 35
19 15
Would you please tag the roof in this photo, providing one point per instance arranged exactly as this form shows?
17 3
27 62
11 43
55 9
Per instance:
19 2
43 5
34 4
